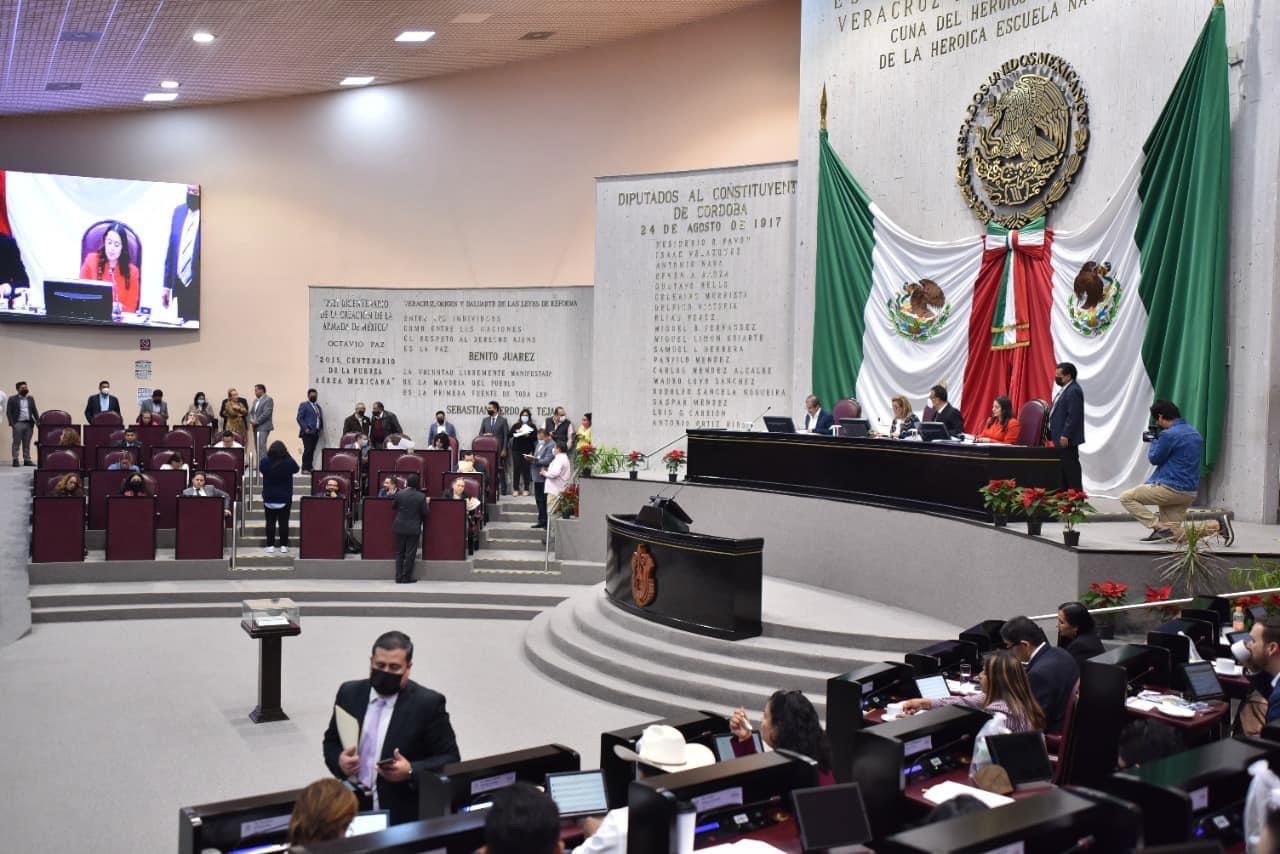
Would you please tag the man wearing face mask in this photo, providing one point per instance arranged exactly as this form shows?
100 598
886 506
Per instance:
1066 424
182 258
103 401
356 422
382 425
310 423
21 413
156 406
404 730
495 425
440 425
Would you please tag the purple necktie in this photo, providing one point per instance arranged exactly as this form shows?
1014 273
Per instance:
369 744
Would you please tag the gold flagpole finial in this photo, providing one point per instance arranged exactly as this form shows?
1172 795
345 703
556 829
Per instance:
822 108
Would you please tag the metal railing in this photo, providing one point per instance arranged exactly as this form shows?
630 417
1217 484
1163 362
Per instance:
1143 606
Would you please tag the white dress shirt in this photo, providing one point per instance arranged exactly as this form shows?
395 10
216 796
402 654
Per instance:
389 706
611 837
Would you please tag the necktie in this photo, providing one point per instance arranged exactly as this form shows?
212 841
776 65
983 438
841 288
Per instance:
806 421
369 744
187 250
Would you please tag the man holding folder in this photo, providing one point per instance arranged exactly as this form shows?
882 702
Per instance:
388 729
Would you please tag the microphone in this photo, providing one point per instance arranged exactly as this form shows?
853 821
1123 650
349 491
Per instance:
752 425
1130 682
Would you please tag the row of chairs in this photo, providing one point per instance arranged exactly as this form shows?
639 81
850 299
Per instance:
62 418
153 456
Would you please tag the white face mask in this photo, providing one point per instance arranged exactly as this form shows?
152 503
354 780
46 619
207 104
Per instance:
524 418
105 391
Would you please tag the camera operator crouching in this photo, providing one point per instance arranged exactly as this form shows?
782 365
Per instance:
1176 449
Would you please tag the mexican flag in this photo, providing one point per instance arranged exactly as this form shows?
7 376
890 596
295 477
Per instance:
1135 299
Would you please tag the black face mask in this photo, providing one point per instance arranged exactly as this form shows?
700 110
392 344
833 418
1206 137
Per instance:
385 683
1060 381
312 398
23 393
439 420
193 201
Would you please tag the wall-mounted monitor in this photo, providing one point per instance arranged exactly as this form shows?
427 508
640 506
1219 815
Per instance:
99 251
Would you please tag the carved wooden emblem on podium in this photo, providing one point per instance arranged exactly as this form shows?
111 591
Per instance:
644 586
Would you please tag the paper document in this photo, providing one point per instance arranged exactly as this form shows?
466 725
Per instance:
948 789
348 728
271 621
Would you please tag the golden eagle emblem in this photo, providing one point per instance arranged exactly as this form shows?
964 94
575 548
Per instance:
1095 299
644 586
919 311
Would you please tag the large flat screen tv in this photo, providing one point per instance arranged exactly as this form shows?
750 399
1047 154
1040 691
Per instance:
99 251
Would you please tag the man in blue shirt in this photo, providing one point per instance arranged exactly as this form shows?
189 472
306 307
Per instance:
1176 454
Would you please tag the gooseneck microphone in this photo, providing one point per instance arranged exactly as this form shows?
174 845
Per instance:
752 425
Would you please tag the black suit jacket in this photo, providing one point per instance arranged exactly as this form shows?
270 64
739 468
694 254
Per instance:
559 433
411 508
12 409
824 422
1084 647
501 432
1067 418
951 419
419 728
1053 675
94 406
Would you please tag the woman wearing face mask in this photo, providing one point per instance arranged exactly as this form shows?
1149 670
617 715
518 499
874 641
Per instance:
200 408
523 437
111 263
135 486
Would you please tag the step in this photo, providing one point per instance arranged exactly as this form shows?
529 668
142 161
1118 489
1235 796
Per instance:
518 559
515 531
512 544
191 593
475 611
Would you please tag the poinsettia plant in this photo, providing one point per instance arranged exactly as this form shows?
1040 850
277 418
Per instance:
673 459
1001 496
1105 594
1034 501
1071 507
1162 594
567 501
634 459
586 454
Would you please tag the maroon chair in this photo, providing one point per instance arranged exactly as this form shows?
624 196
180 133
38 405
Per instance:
378 543
846 408
107 418
475 489
112 457
488 444
51 434
346 462
347 439
199 531
1055 742
1031 421
115 437
131 528
224 480
46 482
927 415
178 437
157 420
410 464
224 459
64 459
57 529
160 456
92 240
321 529
51 417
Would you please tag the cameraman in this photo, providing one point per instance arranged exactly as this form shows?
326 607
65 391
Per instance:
1175 451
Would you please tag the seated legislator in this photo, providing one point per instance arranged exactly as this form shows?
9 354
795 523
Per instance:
945 413
331 488
790 722
816 419
1006 695
1001 428
400 721
469 464
227 440
135 486
1263 667
523 820
69 487
111 263
1077 632
126 462
199 487
475 517
130 439
1053 673
68 439
440 442
147 418
323 812
360 444
175 463
388 488
399 442
904 420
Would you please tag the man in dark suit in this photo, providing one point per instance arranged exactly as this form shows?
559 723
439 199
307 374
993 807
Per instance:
382 425
21 413
404 730
1053 673
357 422
103 401
440 425
558 427
945 413
816 419
13 275
495 425
411 509
1264 663
182 258
1066 424
310 423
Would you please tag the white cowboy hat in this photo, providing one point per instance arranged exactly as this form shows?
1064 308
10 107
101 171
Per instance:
664 747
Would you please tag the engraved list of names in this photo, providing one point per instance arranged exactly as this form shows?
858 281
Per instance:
693 309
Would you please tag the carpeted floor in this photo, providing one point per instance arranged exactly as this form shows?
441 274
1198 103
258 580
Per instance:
109 727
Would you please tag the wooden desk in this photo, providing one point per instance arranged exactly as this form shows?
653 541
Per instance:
915 791
931 476
1205 726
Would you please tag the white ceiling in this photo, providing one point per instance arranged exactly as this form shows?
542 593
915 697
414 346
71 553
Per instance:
267 48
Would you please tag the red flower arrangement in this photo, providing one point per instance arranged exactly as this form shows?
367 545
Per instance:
634 459
1071 506
1247 601
673 459
586 454
1162 594
567 500
1001 496
1034 501
1105 594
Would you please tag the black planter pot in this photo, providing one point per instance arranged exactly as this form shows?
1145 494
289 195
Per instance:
672 477
1071 538
633 474
1000 520
586 472
1033 527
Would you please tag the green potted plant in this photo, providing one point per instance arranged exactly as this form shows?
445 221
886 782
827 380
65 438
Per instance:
634 459
1071 507
1192 568
673 460
567 502
1034 503
586 456
1000 497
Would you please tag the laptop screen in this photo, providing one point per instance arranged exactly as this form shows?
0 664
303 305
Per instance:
723 747
933 687
578 793
370 821
830 816
779 424
1202 680
1022 755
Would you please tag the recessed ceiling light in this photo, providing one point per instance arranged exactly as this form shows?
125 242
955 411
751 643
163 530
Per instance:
160 96
472 18
415 36
202 37
355 81
537 36
169 84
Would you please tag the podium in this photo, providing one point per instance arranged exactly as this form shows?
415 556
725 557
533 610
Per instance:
695 582
269 657
200 528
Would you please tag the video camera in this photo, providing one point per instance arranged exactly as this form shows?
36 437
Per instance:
1152 432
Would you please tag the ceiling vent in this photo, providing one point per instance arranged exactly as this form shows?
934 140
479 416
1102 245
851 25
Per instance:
61 87
82 36
537 36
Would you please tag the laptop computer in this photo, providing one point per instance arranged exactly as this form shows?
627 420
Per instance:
830 816
369 821
779 424
1201 681
578 793
933 431
1023 756
855 428
933 687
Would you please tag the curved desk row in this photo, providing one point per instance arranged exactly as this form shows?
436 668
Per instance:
939 477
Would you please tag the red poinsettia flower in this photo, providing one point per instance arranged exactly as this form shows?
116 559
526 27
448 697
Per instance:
1159 594
1247 601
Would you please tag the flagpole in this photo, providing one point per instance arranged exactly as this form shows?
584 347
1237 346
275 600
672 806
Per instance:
822 106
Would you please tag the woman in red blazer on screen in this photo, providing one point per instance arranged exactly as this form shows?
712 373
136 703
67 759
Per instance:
111 263
1001 427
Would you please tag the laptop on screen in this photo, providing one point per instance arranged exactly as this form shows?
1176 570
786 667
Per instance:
855 428
1023 756
830 817
578 793
1201 681
933 431
933 687
779 424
